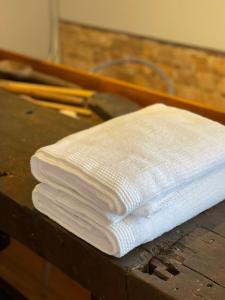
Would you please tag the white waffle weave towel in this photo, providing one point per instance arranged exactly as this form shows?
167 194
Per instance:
123 172
119 238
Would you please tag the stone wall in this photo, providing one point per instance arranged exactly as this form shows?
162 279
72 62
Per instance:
197 75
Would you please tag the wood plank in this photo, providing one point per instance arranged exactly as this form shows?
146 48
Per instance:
141 95
24 270
24 129
187 284
214 223
196 252
199 271
203 252
22 133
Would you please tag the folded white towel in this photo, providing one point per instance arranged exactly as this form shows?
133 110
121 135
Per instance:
119 238
123 164
129 180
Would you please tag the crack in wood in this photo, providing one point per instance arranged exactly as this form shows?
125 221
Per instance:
206 277
213 231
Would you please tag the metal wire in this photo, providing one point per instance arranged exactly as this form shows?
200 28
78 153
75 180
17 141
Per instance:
149 64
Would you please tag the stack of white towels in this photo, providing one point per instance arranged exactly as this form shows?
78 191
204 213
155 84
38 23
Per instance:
129 180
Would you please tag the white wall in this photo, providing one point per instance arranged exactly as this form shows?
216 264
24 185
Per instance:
193 22
25 26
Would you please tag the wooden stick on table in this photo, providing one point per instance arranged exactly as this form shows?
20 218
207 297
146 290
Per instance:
30 88
59 98
78 110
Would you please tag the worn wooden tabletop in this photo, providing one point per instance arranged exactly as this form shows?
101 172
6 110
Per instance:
186 263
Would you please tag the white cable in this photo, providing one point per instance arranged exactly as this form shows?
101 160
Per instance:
149 64
53 50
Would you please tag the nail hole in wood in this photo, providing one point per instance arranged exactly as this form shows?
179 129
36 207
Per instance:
29 112
209 285
5 173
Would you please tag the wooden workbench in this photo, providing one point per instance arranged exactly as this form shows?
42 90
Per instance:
186 263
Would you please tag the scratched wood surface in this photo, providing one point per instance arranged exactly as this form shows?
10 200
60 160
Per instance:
138 94
186 263
191 267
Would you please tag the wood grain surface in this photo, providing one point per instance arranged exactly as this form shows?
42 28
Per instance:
25 270
152 271
141 95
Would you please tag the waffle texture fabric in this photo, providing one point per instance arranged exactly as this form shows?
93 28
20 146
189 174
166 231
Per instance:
132 178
